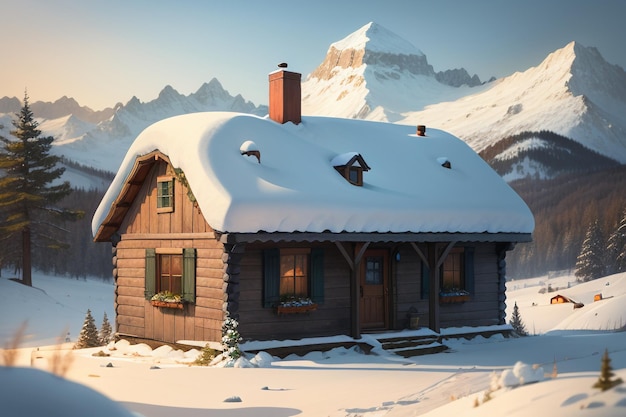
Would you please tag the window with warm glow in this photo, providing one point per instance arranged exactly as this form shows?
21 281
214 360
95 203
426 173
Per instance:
294 272
452 276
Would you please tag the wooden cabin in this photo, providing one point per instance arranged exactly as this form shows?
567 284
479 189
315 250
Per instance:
304 227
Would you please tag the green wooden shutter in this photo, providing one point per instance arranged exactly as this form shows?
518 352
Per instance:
317 275
425 284
189 275
469 269
271 277
150 281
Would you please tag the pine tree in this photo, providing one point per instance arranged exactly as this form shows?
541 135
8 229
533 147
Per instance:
516 322
590 263
231 339
88 334
616 247
606 373
106 331
29 190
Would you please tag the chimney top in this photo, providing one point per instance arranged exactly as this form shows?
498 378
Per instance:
285 95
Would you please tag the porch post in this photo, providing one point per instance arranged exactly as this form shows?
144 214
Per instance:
355 328
433 294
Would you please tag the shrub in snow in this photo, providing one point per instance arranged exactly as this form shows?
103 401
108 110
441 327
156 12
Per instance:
230 340
206 357
89 334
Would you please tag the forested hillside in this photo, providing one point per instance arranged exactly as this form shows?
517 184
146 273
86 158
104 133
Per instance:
564 208
83 257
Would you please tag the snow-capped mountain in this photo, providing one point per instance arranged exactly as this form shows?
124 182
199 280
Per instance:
59 108
574 92
374 74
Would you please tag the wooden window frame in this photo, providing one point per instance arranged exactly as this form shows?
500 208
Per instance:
468 272
271 275
161 207
188 280
453 265
306 252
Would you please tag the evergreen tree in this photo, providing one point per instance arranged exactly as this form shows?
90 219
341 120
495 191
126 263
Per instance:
88 334
516 322
616 247
29 189
106 331
606 373
231 339
590 262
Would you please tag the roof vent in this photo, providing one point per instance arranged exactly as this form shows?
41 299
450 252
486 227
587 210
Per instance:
421 130
444 162
249 148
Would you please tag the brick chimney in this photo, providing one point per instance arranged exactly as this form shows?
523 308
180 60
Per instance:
285 96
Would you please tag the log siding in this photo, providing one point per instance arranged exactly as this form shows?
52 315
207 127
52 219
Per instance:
143 228
229 278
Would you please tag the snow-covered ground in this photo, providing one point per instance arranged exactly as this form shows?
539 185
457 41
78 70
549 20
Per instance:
562 361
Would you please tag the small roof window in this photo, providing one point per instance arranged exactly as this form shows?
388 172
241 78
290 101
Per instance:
249 148
351 166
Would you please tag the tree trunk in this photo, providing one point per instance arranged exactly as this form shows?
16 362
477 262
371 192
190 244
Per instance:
26 259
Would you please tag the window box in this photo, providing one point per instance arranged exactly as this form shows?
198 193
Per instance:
167 299
168 304
296 306
453 296
295 309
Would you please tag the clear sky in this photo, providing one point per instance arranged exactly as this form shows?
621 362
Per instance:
101 52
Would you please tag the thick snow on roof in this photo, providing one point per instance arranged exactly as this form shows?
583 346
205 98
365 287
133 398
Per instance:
294 187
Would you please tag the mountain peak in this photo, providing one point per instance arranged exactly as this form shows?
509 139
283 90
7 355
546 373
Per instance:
376 38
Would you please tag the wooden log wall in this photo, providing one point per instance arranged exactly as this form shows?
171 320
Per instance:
185 227
332 317
483 307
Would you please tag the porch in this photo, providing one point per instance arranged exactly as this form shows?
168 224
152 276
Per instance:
405 343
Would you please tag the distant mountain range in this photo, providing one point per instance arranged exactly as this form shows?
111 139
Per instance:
374 74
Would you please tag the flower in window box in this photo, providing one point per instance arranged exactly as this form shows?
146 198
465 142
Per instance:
453 295
295 304
295 301
167 296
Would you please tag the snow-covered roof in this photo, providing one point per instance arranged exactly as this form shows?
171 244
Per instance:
295 188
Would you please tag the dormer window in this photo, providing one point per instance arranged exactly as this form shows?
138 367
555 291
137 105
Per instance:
351 166
165 194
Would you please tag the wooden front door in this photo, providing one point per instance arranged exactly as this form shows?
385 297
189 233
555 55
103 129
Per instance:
373 281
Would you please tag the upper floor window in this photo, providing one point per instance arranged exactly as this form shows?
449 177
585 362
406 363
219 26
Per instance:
351 166
165 194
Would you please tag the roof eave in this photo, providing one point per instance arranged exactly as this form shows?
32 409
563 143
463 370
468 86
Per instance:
263 237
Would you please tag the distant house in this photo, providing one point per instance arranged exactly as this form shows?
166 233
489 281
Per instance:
561 299
353 224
